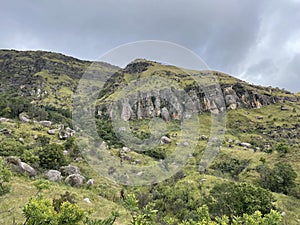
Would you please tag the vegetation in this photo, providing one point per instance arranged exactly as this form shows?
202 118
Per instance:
244 185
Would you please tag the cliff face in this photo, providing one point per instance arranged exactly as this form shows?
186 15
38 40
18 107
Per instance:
171 103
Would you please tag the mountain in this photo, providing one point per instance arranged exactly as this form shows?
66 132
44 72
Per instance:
255 130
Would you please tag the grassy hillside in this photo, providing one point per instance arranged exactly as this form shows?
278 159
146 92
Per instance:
272 132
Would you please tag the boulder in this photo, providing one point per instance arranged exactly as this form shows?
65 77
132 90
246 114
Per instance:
126 150
52 131
90 182
2 119
165 140
53 175
46 123
6 131
165 114
24 118
245 144
75 180
87 200
21 167
69 170
204 137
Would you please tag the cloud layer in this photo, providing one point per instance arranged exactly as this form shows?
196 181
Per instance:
258 41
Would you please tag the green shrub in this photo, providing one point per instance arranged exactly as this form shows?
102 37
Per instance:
279 179
11 147
51 156
235 199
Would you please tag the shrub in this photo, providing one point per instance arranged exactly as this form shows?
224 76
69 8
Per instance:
236 199
51 156
11 147
279 179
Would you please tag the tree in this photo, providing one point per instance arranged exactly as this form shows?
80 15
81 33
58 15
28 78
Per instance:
144 216
279 179
236 199
51 156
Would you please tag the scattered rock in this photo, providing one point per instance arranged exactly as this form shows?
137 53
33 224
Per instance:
2 119
22 140
103 146
53 175
237 142
282 108
139 173
75 180
87 200
52 131
122 129
165 114
186 144
46 123
260 117
204 137
20 166
165 140
6 131
126 150
69 170
90 182
24 118
137 161
245 144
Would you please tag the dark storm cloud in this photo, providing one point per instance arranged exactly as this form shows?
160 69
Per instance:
233 36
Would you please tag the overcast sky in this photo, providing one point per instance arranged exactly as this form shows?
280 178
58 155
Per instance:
255 40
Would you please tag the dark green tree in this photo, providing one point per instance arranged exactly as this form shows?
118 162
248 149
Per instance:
279 179
235 199
51 156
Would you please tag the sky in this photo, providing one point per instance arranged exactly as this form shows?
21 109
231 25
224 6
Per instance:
254 40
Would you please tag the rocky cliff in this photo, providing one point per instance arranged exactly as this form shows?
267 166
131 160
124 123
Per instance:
133 94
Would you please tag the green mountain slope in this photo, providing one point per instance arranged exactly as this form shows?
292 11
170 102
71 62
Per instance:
262 129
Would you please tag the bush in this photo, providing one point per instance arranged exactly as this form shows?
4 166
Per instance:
11 147
236 199
279 179
51 156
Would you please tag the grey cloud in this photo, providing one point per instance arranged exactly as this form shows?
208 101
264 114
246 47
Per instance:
226 34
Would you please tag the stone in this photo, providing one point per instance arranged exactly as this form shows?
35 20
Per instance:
204 137
24 118
282 108
126 150
22 140
165 114
46 123
52 131
245 144
65 152
2 119
186 144
90 182
87 200
260 117
69 170
6 131
21 167
165 140
75 180
53 175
